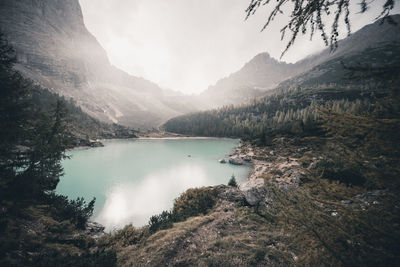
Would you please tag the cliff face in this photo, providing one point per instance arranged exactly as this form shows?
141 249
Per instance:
56 50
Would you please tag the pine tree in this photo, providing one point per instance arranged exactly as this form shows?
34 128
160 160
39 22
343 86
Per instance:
232 181
32 141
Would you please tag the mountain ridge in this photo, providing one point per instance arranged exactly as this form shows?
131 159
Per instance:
263 72
59 53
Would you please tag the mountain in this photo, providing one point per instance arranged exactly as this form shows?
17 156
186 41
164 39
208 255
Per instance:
372 35
350 81
258 75
55 49
263 72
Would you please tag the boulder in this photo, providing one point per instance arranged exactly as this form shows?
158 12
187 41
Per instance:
235 161
95 144
222 161
255 191
247 159
231 194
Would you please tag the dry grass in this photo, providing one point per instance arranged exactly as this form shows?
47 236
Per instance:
228 236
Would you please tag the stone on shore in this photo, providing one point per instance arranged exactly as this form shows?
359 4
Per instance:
235 161
254 191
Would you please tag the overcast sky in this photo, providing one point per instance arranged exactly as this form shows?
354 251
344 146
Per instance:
187 45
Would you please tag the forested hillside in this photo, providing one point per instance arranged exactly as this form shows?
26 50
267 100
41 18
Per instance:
361 84
325 187
82 127
263 73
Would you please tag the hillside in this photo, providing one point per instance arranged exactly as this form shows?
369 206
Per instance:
324 190
258 75
84 129
58 52
333 203
263 73
352 83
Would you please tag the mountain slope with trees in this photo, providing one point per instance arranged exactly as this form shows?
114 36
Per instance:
351 83
59 53
264 73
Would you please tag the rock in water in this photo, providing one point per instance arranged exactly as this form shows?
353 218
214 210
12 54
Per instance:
235 161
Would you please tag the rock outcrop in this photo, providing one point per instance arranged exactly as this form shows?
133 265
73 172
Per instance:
254 191
94 229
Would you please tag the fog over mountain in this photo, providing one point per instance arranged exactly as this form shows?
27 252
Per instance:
188 45
264 72
55 49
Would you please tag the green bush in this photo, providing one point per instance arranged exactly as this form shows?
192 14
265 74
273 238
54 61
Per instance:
76 211
259 254
129 235
161 221
193 202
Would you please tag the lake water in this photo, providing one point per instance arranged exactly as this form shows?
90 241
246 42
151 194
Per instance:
135 179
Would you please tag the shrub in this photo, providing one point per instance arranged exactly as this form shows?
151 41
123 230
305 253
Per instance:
193 202
232 181
129 235
161 221
259 254
76 211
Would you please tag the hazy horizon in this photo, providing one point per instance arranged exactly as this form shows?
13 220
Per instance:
186 45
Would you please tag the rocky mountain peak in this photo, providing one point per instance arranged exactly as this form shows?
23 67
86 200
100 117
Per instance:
55 49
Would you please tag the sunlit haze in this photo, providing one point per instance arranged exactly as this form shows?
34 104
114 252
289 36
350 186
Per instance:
187 45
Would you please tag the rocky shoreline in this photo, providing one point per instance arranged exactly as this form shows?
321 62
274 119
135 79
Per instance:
268 164
242 214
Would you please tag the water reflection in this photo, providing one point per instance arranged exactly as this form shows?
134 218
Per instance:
136 202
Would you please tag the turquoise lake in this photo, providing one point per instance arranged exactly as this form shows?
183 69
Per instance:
137 178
